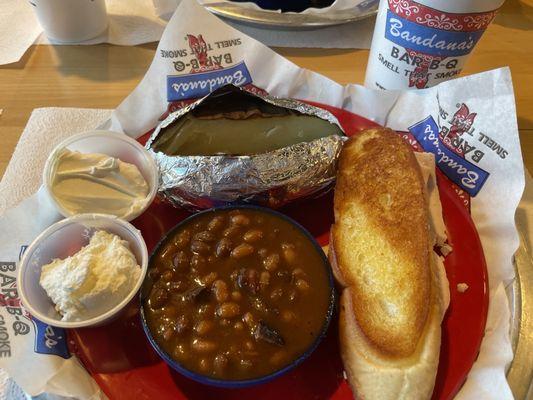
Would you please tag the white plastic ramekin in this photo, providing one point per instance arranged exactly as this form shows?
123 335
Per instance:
63 239
113 144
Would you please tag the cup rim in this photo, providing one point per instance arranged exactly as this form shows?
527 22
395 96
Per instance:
23 265
226 383
149 161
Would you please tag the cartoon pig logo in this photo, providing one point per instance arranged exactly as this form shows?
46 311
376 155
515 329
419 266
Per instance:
6 301
462 121
419 77
198 48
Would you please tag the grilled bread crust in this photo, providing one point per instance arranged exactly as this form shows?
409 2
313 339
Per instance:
374 376
382 241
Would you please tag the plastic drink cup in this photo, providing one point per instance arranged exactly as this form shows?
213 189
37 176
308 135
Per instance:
418 44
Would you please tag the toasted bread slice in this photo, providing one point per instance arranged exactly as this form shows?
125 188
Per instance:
381 238
381 250
374 376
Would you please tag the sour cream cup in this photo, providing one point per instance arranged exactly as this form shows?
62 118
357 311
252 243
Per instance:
62 240
112 144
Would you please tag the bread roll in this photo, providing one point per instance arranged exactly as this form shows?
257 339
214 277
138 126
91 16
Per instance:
381 247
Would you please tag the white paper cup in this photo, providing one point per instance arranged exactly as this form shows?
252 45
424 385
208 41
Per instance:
420 43
71 21
113 144
61 240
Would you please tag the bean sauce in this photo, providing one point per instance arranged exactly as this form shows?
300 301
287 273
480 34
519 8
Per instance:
237 294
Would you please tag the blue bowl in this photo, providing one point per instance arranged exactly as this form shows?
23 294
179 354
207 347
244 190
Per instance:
224 383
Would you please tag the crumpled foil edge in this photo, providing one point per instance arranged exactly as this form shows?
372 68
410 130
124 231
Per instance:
290 104
270 179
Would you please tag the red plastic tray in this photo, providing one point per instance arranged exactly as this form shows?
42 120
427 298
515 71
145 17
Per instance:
121 360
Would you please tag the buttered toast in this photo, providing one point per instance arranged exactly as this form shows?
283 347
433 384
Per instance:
382 252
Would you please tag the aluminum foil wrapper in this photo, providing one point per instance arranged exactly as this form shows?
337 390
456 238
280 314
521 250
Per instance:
271 179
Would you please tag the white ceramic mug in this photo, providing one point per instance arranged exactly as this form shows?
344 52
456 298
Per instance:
71 21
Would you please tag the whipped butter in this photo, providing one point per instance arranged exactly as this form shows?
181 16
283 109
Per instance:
97 183
93 280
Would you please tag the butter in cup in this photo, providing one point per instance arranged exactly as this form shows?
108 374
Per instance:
101 172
